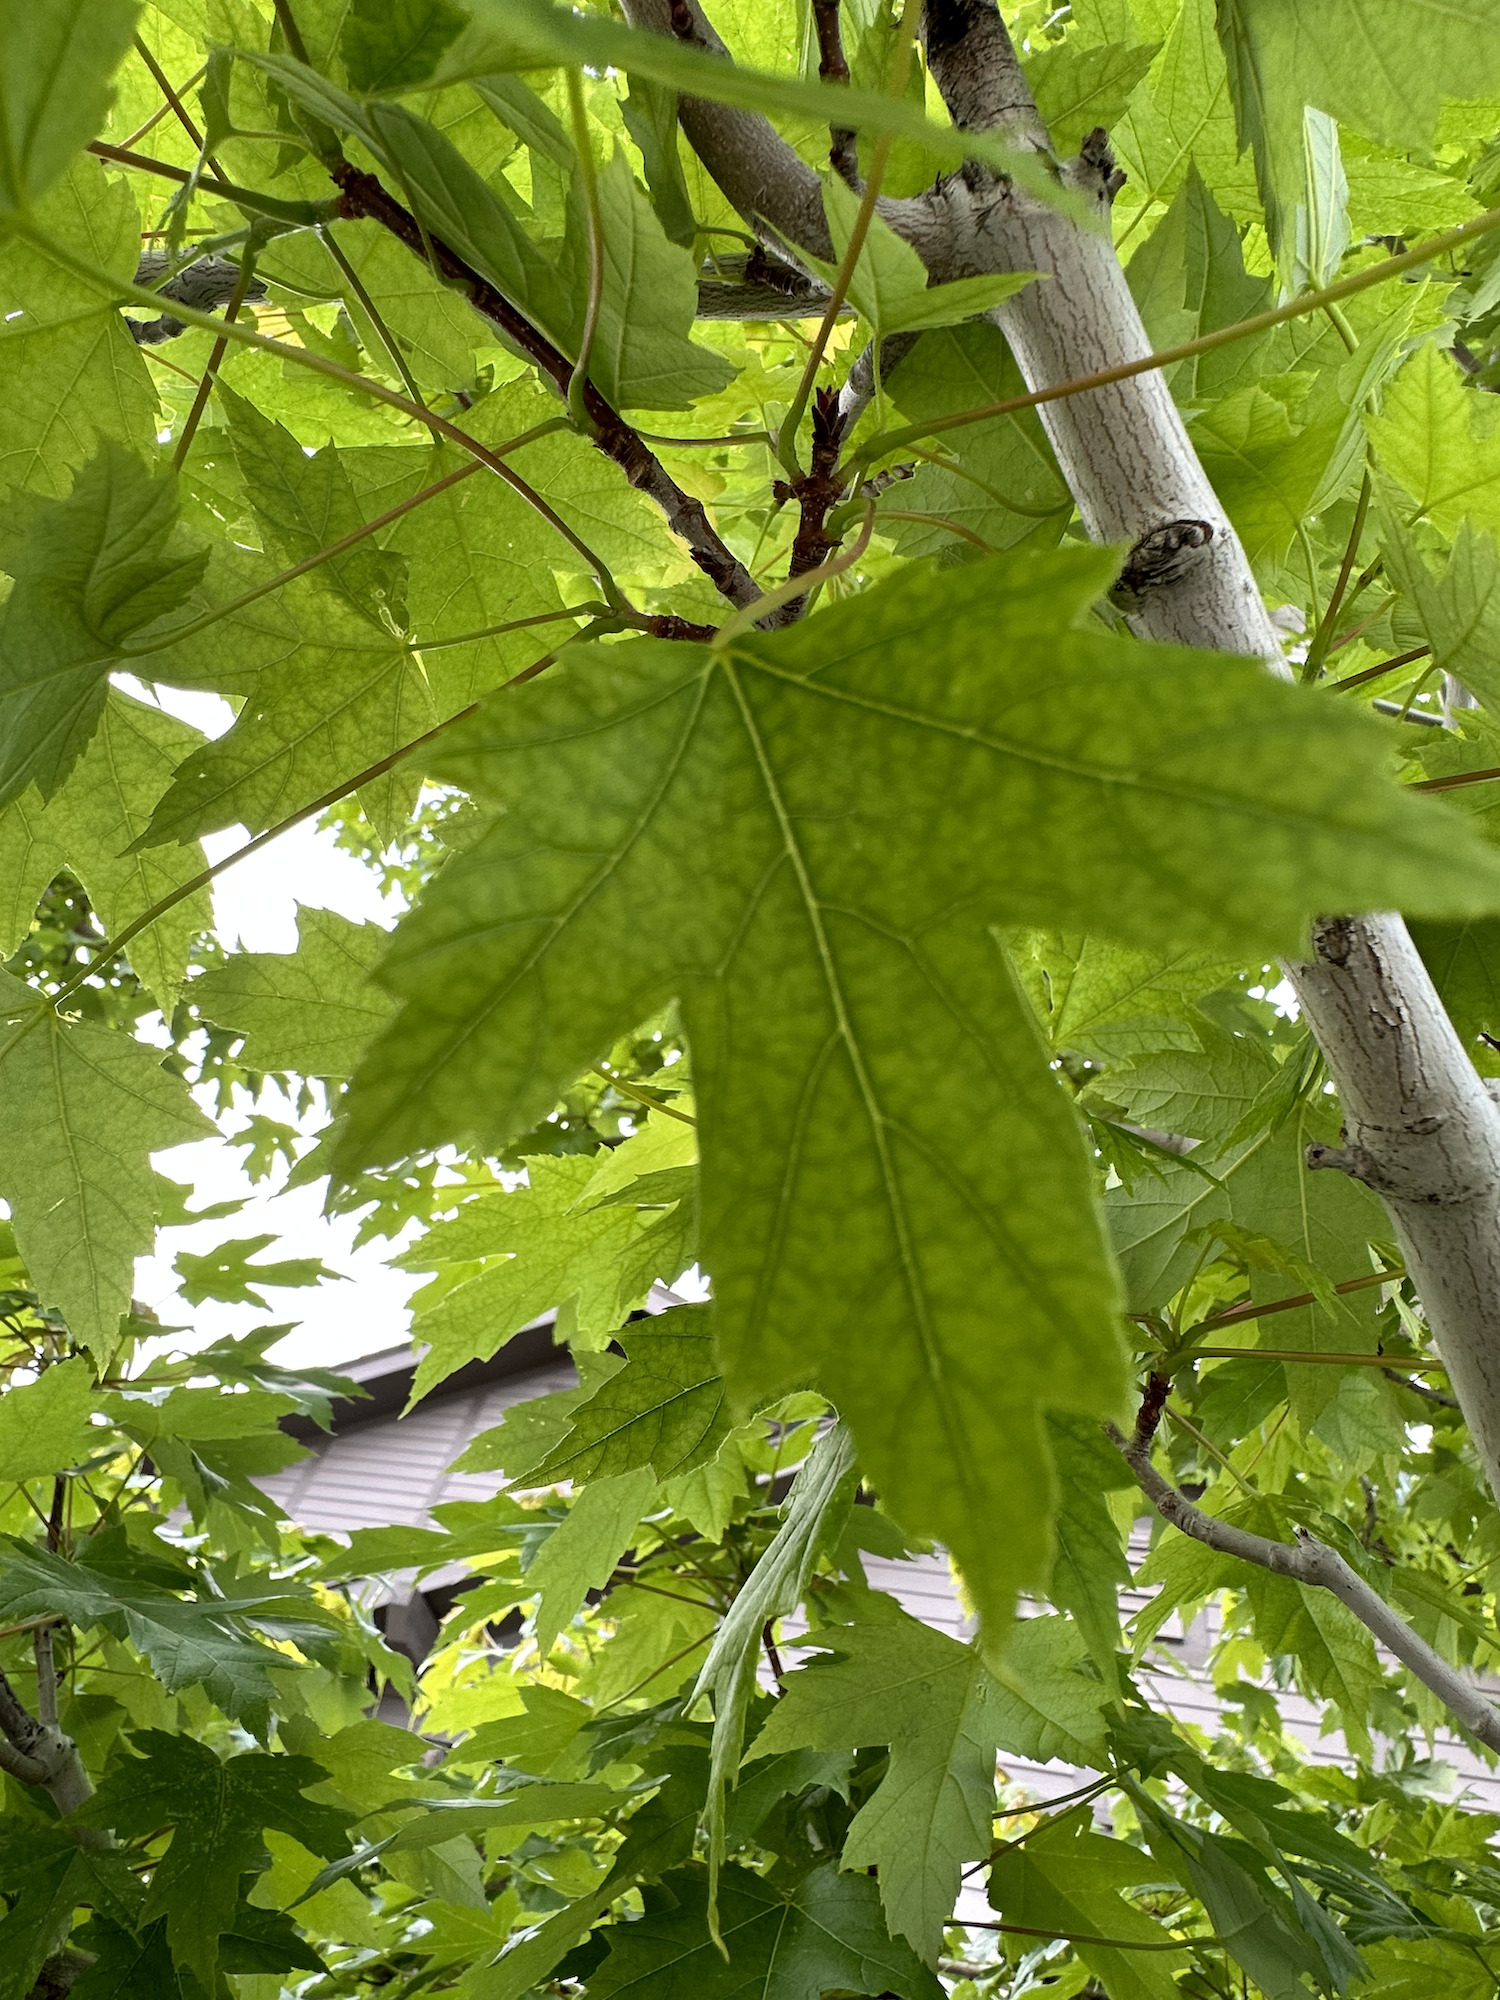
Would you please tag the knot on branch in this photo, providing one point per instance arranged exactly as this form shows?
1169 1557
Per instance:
1390 1176
1163 556
1095 170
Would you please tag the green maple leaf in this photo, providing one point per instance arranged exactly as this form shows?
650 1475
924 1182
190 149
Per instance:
84 1109
805 838
304 504
389 47
227 1273
70 373
103 808
90 571
531 1250
666 1409
44 1425
1339 57
658 1836
582 1554
218 1812
56 59
477 555
1182 118
1459 611
313 1011
46 1874
1433 437
30 858
942 1713
346 694
190 1643
1069 1879
1077 89
786 1940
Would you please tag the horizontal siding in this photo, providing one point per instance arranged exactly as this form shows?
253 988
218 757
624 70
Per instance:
396 1470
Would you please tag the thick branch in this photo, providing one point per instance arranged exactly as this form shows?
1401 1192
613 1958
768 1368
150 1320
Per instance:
1123 449
363 195
1422 1131
1314 1563
971 57
843 148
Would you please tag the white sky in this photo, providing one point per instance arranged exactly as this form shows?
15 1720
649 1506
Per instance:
255 909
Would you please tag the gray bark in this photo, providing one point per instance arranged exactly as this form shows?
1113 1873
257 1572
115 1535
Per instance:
1422 1131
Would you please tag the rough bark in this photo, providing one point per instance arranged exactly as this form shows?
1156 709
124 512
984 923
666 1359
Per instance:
1422 1131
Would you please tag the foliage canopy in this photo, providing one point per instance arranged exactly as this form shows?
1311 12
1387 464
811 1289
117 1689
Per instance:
800 873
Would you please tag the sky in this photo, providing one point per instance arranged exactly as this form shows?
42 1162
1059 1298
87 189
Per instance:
255 909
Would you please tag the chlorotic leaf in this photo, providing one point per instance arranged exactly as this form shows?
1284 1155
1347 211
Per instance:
85 1110
90 571
822 870
313 1011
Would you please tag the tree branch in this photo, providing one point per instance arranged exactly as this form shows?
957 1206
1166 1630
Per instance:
39 1753
843 147
1314 1563
365 196
1423 1132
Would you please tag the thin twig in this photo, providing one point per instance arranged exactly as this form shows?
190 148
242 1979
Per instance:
216 355
1385 667
796 586
164 110
387 339
833 67
1452 784
1311 1562
1317 652
1124 371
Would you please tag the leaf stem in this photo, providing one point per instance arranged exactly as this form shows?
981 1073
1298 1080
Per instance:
880 153
589 180
1082 1937
1385 667
1407 1363
356 285
641 1097
165 108
1317 652
174 102
216 355
1452 784
298 214
1101 378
